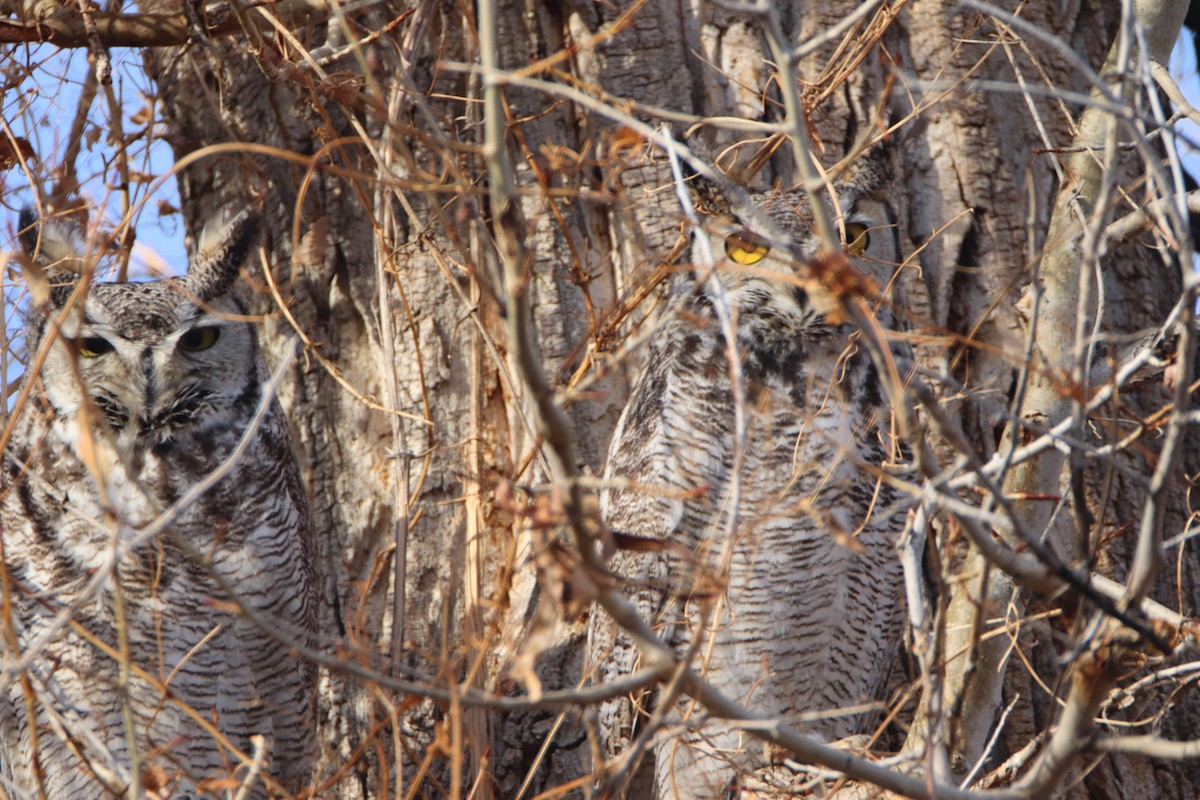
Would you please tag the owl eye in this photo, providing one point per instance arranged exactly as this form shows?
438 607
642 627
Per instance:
858 238
744 247
93 346
200 338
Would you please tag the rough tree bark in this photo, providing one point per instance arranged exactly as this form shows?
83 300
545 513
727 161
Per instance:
368 160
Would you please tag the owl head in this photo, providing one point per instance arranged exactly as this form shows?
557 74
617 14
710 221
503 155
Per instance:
776 271
155 359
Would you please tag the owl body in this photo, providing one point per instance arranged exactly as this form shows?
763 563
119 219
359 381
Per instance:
147 389
790 593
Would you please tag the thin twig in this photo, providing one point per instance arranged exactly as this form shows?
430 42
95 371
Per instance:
258 760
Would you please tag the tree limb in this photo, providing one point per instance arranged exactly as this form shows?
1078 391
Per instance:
67 28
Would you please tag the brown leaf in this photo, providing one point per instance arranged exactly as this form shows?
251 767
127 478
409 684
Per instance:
312 243
34 276
214 785
154 779
649 544
547 510
625 140
837 531
504 497
13 151
565 579
639 544
142 116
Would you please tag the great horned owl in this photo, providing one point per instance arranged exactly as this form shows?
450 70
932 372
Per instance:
144 662
774 565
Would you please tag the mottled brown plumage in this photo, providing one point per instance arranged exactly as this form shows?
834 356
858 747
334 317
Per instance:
794 597
145 390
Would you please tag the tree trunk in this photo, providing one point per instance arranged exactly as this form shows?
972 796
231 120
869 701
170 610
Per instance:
370 168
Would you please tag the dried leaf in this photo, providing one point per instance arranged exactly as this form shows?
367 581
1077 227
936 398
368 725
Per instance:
143 116
154 779
646 544
92 453
34 276
838 532
565 579
540 638
625 142
504 497
640 544
214 785
312 243
13 151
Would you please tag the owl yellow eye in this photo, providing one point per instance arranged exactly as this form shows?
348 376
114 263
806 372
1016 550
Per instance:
746 248
200 338
858 238
93 346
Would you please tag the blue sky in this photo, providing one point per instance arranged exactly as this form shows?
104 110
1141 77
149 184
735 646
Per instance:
1184 70
43 114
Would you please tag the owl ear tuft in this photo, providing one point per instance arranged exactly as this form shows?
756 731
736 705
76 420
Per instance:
707 194
222 249
56 245
871 170
55 257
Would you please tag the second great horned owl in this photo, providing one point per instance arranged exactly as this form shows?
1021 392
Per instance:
775 570
127 656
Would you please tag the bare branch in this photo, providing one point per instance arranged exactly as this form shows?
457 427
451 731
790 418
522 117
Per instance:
1152 746
1090 681
1141 221
1162 76
70 29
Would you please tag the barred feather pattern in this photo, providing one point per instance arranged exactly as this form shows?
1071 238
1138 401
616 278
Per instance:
147 389
776 572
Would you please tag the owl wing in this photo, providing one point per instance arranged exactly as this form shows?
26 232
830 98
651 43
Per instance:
660 464
285 681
